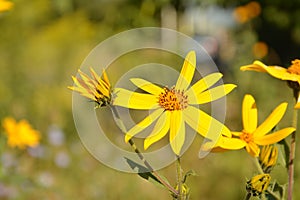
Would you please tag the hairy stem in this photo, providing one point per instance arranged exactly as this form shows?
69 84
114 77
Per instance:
292 157
140 155
179 179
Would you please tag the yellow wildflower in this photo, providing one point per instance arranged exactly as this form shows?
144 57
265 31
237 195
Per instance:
258 184
173 107
97 89
5 5
251 137
20 134
268 157
291 74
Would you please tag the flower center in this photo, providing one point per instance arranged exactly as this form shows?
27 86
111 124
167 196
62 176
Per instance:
171 99
247 137
295 67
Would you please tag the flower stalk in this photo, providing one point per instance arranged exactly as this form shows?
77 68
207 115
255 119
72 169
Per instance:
140 155
292 156
179 179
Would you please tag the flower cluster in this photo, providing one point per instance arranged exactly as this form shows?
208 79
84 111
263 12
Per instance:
172 109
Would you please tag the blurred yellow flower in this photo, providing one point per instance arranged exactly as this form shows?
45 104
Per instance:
173 107
98 89
5 5
251 137
291 74
247 12
20 134
258 184
260 49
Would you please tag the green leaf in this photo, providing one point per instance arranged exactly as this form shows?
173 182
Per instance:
189 173
284 152
278 190
143 172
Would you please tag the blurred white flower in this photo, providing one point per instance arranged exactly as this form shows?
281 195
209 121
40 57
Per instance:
37 152
8 160
46 179
56 136
62 159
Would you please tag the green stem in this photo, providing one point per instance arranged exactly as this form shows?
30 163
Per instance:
292 157
261 171
140 155
179 179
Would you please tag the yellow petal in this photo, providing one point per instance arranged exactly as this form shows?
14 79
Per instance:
236 133
94 74
177 131
249 114
274 137
224 143
213 94
187 71
256 66
203 84
275 71
143 124
252 149
271 121
134 100
231 143
204 124
160 129
105 78
147 86
87 80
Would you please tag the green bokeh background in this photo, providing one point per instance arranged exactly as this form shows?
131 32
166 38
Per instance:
43 43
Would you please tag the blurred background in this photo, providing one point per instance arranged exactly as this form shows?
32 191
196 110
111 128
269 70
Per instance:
44 42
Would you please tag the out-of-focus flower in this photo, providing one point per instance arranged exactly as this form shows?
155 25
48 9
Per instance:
268 157
173 107
8 160
20 134
5 5
258 184
98 89
37 152
251 137
260 50
46 179
291 74
247 12
56 136
62 159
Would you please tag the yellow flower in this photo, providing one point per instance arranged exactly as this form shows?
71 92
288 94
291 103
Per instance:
291 74
97 89
20 134
268 157
258 184
251 137
173 107
5 5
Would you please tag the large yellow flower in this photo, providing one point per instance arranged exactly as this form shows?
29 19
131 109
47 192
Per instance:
251 137
291 74
97 89
173 107
20 134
